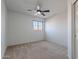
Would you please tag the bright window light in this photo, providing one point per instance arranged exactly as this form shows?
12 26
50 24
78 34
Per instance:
37 25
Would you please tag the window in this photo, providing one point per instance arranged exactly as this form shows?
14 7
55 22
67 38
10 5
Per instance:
37 25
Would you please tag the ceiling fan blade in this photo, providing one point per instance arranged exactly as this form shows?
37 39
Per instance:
29 10
38 7
46 11
43 14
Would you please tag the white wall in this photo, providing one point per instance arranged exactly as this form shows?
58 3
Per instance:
56 29
3 28
20 29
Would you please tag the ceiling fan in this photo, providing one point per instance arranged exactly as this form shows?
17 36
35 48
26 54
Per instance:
38 11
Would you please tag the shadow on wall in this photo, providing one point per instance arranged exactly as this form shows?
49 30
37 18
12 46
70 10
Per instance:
56 29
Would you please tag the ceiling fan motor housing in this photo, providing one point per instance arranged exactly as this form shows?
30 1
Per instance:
38 10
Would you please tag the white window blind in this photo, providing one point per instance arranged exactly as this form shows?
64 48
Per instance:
37 25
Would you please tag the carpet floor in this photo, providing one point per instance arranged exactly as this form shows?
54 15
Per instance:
37 50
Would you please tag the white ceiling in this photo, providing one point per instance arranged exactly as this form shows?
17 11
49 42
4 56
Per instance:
21 6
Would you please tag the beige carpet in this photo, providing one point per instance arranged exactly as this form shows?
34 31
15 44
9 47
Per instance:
38 50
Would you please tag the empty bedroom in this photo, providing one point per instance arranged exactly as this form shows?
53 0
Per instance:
34 29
